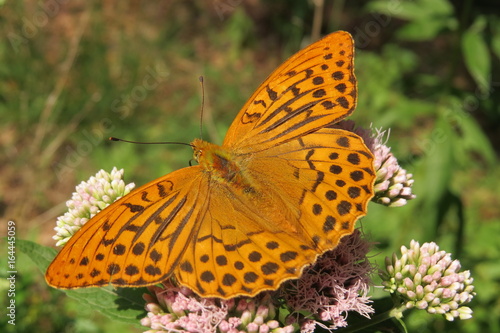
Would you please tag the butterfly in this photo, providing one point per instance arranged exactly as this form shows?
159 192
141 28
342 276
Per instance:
284 187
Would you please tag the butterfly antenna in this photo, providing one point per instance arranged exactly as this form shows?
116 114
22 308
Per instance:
202 104
151 143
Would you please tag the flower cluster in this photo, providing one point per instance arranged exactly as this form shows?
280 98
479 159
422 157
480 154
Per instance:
174 309
336 284
393 184
90 197
428 279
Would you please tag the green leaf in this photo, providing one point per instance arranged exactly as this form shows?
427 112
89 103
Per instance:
425 29
495 36
418 10
42 256
475 141
405 10
476 54
427 18
439 160
122 304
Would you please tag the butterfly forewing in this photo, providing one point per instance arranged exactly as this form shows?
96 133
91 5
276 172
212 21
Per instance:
312 89
136 241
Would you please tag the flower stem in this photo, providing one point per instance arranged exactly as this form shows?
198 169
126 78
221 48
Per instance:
392 313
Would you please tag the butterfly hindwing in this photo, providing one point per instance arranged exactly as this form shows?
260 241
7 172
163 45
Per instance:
250 245
329 175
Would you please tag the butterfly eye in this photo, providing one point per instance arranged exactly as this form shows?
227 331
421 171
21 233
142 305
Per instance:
197 154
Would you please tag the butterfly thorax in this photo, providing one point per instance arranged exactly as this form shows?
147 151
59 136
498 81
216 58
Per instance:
223 165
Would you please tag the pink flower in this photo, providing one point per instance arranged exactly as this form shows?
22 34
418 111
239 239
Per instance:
90 198
173 308
437 285
393 185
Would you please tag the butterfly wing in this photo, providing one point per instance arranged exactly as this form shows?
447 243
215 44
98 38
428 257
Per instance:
313 88
137 240
300 187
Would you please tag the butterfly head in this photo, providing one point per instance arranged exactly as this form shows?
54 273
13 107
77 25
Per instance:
200 149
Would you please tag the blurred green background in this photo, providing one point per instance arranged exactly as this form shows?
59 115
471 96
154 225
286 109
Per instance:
76 72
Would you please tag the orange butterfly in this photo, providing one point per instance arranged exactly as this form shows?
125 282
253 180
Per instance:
283 188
